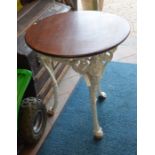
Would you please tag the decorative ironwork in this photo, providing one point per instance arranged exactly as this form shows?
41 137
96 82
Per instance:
91 68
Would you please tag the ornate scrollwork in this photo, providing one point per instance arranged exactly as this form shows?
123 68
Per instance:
91 68
83 65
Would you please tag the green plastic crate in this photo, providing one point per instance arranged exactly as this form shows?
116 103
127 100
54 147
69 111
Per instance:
23 79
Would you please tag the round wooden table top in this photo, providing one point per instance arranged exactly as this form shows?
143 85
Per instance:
77 34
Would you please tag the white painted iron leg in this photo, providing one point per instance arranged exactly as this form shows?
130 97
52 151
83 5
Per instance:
48 65
98 133
51 110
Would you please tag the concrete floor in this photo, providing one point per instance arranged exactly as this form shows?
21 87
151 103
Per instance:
126 52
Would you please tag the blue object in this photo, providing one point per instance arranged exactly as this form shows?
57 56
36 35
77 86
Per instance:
72 132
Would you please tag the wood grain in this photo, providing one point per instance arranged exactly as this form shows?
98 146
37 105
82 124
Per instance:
77 33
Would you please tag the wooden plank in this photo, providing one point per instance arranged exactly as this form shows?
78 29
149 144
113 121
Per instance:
39 11
31 16
39 74
45 86
26 9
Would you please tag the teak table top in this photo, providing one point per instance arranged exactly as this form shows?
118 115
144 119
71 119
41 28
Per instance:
77 34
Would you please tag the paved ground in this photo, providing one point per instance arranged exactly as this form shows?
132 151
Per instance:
124 8
127 51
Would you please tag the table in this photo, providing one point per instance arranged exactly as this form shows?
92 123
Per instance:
85 40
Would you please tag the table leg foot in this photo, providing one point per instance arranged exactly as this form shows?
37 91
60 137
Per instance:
98 134
102 96
51 111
